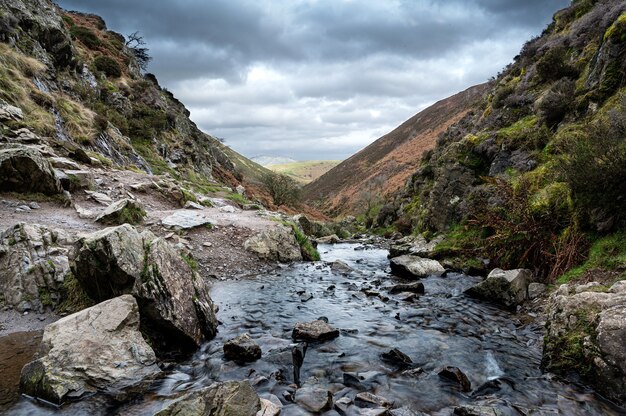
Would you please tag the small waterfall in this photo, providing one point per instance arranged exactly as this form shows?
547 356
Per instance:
493 369
41 86
59 125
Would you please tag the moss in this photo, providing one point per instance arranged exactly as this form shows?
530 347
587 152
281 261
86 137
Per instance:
554 200
307 250
86 36
73 297
109 66
617 31
131 214
191 262
188 195
44 297
240 199
461 240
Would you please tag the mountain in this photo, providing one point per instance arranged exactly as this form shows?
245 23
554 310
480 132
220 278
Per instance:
271 160
384 166
306 171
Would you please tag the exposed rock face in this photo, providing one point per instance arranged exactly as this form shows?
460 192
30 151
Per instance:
175 305
415 267
73 180
23 169
9 112
318 330
586 330
312 228
416 245
33 266
508 288
99 349
242 348
232 398
278 243
185 220
124 211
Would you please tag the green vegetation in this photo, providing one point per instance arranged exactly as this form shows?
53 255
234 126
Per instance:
131 214
86 36
617 31
282 189
606 253
109 66
309 252
73 297
240 199
191 262
305 171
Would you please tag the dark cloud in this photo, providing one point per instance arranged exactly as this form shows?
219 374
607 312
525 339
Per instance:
283 77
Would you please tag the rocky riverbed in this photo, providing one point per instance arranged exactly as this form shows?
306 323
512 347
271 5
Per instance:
398 352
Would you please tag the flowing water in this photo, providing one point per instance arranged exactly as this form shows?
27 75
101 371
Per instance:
500 355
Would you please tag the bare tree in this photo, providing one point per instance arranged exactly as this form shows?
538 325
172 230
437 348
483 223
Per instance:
137 45
282 189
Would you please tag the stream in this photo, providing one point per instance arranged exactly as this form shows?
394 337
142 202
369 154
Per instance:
500 355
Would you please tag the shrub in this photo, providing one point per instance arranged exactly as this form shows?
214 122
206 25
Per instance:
146 122
86 36
555 105
282 189
553 65
108 65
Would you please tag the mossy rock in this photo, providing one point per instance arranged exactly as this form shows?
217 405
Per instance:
125 211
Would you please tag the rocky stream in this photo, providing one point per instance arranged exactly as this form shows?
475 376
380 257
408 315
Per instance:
439 352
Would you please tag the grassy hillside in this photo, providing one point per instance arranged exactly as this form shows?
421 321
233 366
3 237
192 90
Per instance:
304 172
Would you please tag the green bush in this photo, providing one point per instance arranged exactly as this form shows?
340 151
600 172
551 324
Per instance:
146 122
86 36
555 105
282 189
108 65
553 65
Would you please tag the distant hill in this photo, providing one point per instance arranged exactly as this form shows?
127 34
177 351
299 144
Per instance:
384 166
305 172
264 160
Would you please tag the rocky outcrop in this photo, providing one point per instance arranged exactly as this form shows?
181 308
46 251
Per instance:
176 309
33 265
232 398
586 330
412 266
99 349
311 227
277 243
416 245
242 348
185 220
508 288
24 169
124 211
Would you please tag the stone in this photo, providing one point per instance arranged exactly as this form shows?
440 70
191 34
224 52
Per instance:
329 239
508 288
404 411
415 245
535 290
477 411
414 287
251 207
269 408
64 163
229 209
277 243
240 190
456 375
343 405
185 220
24 169
397 358
369 400
242 348
34 205
124 211
231 398
310 227
411 266
192 205
84 213
100 198
314 331
73 180
341 267
33 266
10 112
314 399
97 350
176 310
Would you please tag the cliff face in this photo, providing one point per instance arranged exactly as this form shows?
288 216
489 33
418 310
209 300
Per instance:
81 88
358 184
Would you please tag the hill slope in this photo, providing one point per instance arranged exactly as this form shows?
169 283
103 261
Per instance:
304 172
384 166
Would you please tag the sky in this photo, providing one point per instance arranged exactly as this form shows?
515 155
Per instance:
320 79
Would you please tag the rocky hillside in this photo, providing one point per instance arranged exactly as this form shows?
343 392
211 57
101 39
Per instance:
80 87
355 185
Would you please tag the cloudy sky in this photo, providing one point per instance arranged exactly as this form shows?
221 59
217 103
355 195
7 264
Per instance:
320 79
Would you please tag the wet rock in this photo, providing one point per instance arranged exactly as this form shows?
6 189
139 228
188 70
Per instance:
477 411
411 266
330 239
415 245
305 296
221 399
33 266
185 220
403 411
343 405
536 289
269 408
176 309
397 358
277 243
314 331
508 288
24 169
456 375
99 349
242 348
124 211
314 399
341 267
415 287
369 400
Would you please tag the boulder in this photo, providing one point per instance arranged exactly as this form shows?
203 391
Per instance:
369 400
9 112
416 245
124 211
508 288
242 348
318 330
100 198
314 399
585 332
185 220
411 266
33 265
414 287
269 408
73 180
231 398
24 169
176 309
456 375
397 358
330 239
277 243
310 227
535 290
99 349
341 267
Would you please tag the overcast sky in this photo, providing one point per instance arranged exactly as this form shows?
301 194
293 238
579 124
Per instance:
320 79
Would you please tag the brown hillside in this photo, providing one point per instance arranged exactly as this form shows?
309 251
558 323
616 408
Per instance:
384 166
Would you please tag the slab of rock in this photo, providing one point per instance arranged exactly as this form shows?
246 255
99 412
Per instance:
24 169
33 266
72 180
124 211
329 239
192 205
269 408
318 330
456 375
99 349
10 112
414 287
231 398
185 220
508 288
369 400
64 163
314 399
85 213
341 267
100 198
397 357
176 309
277 243
416 245
411 266
242 348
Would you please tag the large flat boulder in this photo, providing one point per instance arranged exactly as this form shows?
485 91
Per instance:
33 266
318 330
231 398
277 243
185 219
176 309
124 211
508 288
24 169
415 267
99 349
